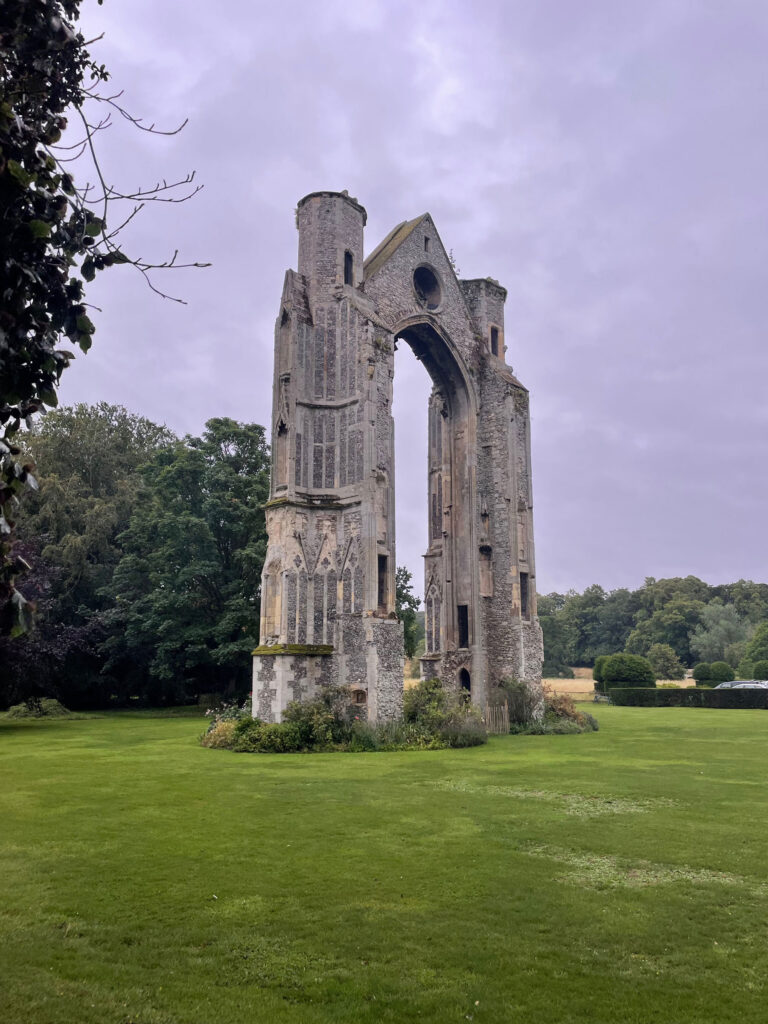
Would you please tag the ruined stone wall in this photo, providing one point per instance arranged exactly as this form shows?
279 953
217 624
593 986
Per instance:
328 590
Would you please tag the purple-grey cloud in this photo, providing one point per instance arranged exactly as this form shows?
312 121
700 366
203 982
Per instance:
606 162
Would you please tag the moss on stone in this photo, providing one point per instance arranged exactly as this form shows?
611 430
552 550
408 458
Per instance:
294 649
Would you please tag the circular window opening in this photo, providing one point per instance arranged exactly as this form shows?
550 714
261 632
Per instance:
427 287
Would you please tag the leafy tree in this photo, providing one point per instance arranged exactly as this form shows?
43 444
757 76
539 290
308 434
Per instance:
665 662
185 591
597 622
721 672
720 627
597 671
627 670
757 650
558 633
407 606
49 226
749 599
88 458
760 669
655 594
672 624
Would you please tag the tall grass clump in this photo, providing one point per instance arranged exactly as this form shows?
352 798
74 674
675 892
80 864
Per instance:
548 713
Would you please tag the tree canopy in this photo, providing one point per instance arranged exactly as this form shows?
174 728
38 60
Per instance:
185 593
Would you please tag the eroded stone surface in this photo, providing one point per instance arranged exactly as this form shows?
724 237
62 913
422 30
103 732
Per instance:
329 575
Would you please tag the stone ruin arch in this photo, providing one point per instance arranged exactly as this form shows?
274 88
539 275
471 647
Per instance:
328 589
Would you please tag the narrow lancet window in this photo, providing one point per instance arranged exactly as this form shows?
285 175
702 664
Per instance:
348 268
383 583
495 340
463 617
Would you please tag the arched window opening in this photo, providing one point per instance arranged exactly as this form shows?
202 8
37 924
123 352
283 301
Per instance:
348 268
495 340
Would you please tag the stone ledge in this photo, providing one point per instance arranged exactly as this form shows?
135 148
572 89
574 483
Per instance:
298 649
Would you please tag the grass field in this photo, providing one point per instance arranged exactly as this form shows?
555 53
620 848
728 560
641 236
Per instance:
618 876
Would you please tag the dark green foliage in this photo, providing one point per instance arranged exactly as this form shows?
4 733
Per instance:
721 631
42 65
406 606
35 707
524 704
185 613
323 721
702 673
757 648
558 635
255 737
556 670
443 714
691 697
672 624
721 672
760 669
627 668
580 627
597 670
88 459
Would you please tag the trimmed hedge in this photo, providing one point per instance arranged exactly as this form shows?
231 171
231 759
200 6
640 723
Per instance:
627 668
702 672
721 672
689 697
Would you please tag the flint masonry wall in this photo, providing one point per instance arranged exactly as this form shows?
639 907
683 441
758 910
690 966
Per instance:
328 587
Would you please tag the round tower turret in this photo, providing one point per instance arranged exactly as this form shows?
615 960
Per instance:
330 239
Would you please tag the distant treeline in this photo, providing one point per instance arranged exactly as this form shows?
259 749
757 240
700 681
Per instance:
701 623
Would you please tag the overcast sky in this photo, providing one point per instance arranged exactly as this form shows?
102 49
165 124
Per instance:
606 161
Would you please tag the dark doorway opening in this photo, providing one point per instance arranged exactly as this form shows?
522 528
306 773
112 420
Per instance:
464 681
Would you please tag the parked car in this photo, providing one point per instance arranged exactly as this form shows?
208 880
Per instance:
744 684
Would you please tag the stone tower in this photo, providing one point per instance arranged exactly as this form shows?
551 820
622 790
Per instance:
328 589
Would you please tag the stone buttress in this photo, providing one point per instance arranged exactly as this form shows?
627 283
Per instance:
328 587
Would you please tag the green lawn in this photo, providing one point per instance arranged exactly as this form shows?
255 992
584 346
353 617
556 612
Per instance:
620 876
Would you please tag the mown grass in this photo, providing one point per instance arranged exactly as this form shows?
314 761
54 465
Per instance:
617 876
